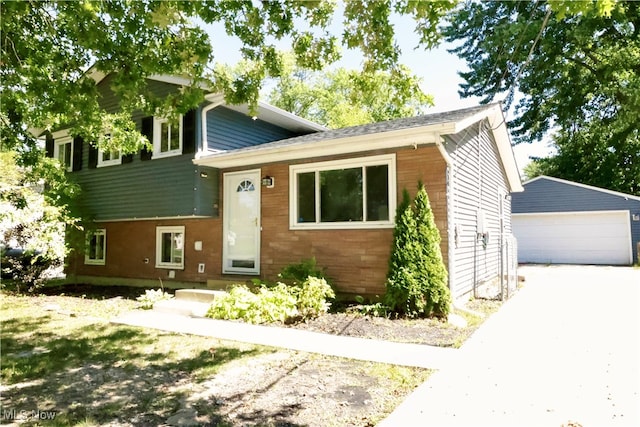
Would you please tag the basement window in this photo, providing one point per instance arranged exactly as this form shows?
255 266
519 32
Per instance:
96 247
170 247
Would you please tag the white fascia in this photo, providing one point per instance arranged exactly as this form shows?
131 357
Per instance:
387 140
500 132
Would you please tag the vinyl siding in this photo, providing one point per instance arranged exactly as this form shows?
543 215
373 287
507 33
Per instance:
229 130
109 100
477 182
546 195
165 187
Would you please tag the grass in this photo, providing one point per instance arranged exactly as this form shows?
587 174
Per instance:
61 353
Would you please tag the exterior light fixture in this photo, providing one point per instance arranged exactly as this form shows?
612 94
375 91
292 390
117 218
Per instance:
268 181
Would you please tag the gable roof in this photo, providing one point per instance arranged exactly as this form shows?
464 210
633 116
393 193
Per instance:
265 112
270 114
580 185
411 131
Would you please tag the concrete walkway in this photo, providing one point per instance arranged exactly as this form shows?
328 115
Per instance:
565 348
418 355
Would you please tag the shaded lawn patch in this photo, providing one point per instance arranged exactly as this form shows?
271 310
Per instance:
79 365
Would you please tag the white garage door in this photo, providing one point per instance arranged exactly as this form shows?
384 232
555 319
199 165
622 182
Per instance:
574 237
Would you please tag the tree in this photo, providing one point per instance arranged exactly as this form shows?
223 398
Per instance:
51 50
31 221
433 272
48 46
588 156
533 169
417 279
577 66
341 97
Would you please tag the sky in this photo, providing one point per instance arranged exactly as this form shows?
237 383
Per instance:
437 68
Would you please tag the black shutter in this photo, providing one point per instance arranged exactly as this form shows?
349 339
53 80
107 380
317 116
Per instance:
147 130
189 132
48 146
78 142
93 156
126 158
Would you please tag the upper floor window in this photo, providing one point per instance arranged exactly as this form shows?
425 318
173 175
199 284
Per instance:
63 151
167 137
109 157
353 193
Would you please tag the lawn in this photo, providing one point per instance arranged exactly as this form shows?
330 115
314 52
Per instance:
62 357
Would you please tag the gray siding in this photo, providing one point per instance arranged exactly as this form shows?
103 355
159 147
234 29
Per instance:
110 102
165 187
547 195
229 130
477 182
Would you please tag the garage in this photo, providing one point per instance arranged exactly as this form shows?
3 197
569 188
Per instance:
602 237
556 221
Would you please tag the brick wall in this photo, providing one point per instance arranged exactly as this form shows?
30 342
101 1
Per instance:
357 260
129 243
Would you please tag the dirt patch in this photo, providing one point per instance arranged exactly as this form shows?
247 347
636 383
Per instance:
61 354
291 389
423 331
346 320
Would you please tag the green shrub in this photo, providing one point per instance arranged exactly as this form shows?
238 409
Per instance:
377 309
312 297
152 296
29 268
417 279
298 273
278 303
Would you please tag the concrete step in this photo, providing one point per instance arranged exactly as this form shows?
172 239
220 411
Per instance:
182 307
197 295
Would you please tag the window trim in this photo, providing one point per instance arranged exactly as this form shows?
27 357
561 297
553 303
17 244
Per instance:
157 134
58 142
103 261
160 230
110 162
386 159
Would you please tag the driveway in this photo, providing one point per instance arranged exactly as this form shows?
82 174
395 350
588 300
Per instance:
566 348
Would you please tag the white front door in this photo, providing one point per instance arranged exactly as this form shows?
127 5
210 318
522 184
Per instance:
241 238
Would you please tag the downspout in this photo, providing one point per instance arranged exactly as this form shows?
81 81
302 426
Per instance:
216 100
475 246
450 209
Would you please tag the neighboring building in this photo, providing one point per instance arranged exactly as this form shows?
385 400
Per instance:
227 197
563 222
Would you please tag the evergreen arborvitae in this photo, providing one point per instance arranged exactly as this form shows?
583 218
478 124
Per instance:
404 254
417 278
433 273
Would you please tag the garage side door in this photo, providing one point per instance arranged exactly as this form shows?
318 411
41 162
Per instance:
574 237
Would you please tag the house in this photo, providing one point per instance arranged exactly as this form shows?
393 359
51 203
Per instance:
227 197
563 222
